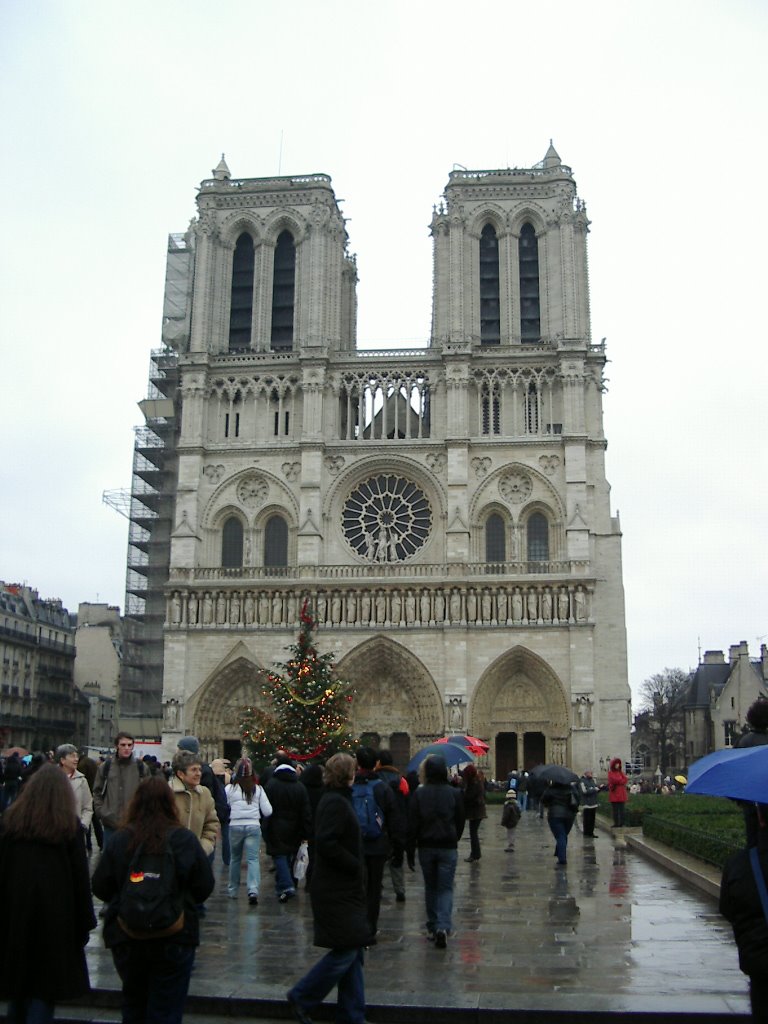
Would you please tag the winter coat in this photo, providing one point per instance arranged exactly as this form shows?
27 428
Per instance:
589 790
83 799
617 783
436 816
753 738
510 813
559 801
337 887
391 777
197 812
740 904
116 781
193 874
244 813
474 797
393 832
291 820
47 911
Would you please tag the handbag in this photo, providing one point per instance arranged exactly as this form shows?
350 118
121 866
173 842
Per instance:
301 862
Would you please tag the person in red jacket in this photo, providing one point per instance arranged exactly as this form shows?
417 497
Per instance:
617 791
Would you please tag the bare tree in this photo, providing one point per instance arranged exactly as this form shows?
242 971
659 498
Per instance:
662 698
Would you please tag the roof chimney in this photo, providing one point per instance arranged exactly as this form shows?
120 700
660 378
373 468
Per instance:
713 658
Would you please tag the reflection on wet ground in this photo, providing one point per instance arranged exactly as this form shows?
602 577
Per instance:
611 931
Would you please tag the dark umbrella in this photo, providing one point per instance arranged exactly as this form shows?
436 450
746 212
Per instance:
556 773
451 753
740 773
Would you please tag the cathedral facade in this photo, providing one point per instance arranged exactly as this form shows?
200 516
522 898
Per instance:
444 510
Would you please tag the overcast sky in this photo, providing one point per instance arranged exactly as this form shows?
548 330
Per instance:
114 112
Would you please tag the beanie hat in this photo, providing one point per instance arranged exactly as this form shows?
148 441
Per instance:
243 768
190 743
511 795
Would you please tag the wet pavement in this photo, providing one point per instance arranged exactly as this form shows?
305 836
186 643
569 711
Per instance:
610 933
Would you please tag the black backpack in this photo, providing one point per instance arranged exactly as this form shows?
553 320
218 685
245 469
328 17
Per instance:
150 905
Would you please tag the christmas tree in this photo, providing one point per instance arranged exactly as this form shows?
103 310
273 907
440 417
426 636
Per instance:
307 706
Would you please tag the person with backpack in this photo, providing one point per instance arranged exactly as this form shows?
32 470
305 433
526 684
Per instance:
435 825
117 779
153 875
45 898
381 825
339 906
510 819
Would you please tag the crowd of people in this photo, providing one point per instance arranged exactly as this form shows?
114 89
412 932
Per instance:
340 825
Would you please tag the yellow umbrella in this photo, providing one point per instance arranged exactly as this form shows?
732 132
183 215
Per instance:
681 779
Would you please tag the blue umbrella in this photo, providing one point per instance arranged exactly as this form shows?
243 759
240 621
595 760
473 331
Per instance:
740 773
451 753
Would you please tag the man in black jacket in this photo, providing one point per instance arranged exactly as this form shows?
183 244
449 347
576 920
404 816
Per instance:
435 825
288 826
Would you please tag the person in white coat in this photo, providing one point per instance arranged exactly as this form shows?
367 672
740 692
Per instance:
67 757
248 805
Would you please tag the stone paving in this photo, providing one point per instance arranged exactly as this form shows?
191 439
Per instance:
610 933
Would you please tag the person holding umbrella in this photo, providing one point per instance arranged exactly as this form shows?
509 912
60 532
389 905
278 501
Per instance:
561 798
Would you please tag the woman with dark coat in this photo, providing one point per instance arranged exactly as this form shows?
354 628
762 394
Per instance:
45 898
339 906
155 972
562 803
474 807
617 791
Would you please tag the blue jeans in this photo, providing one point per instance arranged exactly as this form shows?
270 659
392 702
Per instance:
341 967
438 867
284 874
30 1011
226 849
155 978
248 838
522 800
560 827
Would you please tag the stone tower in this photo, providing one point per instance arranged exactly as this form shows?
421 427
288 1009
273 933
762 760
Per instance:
445 510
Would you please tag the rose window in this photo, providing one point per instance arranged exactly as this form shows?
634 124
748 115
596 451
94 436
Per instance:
386 519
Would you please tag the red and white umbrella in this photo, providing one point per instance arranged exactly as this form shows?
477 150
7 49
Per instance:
474 745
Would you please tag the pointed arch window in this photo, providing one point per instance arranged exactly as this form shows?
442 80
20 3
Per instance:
232 544
490 308
283 293
530 305
241 302
538 538
490 408
276 543
495 539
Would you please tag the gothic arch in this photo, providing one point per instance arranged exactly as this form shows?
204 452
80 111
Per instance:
488 214
387 464
280 497
238 223
521 693
284 220
213 713
543 494
395 691
532 214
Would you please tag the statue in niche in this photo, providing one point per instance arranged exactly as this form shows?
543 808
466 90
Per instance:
171 716
247 552
532 605
321 608
365 608
456 715
501 603
290 613
424 606
207 609
351 608
471 606
562 605
517 606
381 607
175 609
486 606
584 711
580 602
277 609
249 609
546 606
234 609
263 608
395 606
192 609
410 608
455 606
221 609
335 608
439 606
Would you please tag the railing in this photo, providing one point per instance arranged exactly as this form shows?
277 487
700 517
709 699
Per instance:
387 571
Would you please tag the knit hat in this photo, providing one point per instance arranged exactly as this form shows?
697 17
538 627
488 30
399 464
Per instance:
190 743
511 795
243 768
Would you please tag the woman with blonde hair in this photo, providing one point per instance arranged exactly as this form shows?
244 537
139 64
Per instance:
248 804
46 899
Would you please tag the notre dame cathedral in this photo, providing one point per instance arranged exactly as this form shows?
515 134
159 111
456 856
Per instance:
444 509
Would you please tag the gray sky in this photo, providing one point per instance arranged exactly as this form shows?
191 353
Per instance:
113 113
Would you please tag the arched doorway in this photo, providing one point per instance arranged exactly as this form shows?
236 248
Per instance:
397 699
520 705
216 714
